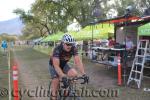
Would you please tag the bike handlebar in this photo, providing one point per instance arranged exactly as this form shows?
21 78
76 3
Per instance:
69 80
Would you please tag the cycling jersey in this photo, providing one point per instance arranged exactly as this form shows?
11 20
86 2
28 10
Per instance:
63 55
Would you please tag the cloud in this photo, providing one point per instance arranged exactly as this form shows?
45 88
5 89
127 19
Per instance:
7 7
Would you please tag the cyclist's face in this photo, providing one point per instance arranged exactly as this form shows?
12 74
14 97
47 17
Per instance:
67 46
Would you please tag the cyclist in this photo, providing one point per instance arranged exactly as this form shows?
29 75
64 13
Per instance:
59 69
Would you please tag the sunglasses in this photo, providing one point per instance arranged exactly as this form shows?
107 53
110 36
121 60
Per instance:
69 44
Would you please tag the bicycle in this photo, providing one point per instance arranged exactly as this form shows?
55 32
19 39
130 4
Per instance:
69 92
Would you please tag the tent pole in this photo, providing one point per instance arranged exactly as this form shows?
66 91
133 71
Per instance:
125 59
115 31
92 41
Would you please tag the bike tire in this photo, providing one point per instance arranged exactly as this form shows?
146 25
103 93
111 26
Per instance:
72 98
49 90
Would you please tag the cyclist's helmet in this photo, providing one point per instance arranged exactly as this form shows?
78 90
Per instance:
67 38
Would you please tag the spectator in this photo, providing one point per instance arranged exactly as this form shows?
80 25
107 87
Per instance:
12 44
129 43
111 42
4 45
85 47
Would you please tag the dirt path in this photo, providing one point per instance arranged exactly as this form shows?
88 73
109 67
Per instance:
34 78
33 74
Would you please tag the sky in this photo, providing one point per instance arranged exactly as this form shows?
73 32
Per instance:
7 7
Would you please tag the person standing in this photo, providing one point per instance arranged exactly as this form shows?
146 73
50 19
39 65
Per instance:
4 46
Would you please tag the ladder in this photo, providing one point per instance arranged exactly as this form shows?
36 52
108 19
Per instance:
136 73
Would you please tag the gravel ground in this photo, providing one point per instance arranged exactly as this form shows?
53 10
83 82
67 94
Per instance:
34 76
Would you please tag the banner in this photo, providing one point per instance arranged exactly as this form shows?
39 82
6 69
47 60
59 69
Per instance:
144 30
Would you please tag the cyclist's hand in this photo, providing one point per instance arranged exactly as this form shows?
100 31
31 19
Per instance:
86 78
65 82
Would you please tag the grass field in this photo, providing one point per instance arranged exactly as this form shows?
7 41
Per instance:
3 76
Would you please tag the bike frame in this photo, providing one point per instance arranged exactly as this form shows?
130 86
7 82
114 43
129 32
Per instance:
68 93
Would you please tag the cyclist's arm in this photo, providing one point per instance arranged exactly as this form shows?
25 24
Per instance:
56 64
79 64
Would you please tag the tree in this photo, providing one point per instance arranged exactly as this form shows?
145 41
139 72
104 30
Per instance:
5 36
138 6
68 10
29 18
33 31
51 16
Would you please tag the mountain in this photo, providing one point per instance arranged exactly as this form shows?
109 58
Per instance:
12 26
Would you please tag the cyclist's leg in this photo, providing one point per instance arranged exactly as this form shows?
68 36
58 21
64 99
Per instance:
54 83
71 72
54 88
